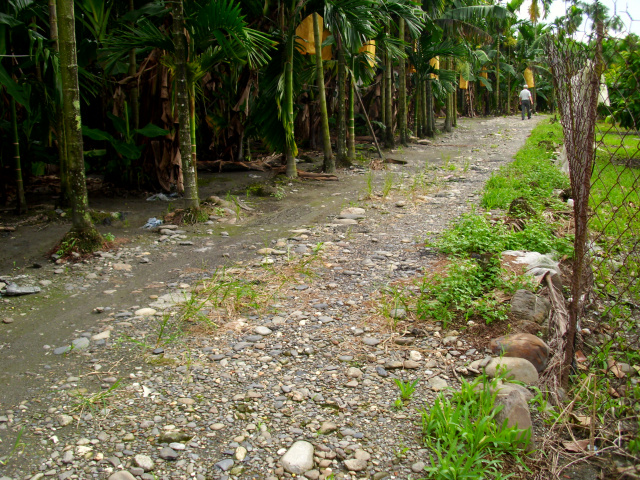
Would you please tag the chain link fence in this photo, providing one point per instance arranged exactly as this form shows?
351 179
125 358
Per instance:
597 87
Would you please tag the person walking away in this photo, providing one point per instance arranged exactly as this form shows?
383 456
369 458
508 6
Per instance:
525 101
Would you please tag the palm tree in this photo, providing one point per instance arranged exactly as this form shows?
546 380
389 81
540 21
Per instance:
83 232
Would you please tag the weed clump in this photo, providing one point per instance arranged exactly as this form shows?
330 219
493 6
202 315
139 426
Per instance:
464 436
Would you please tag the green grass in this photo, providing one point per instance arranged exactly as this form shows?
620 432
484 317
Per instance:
531 175
464 438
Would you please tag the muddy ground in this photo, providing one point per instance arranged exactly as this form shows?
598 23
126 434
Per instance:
35 382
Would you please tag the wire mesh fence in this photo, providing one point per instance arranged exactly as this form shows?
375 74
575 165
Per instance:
597 86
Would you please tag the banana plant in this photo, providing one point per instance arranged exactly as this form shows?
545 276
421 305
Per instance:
218 33
125 147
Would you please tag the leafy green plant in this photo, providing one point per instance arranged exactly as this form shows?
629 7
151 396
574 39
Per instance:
407 388
369 183
109 237
17 448
389 180
462 433
279 193
125 146
95 401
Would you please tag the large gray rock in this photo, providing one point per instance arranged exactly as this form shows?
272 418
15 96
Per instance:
299 458
14 290
144 462
516 368
122 475
515 411
526 305
522 345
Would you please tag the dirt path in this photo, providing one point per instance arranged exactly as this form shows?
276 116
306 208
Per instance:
226 394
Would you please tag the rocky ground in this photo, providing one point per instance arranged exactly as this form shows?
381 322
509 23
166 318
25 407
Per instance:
151 360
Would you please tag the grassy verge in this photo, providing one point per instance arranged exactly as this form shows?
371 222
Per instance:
475 285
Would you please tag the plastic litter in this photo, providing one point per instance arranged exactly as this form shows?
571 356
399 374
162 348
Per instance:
162 196
152 223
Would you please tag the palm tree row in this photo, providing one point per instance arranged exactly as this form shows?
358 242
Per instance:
213 78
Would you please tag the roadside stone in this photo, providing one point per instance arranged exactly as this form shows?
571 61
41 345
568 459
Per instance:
122 475
526 305
64 420
80 343
168 453
370 341
327 427
437 384
522 345
515 411
14 290
516 368
410 364
398 313
144 462
264 331
225 464
145 312
418 467
299 458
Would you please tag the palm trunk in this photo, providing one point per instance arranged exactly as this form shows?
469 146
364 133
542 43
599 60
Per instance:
509 83
383 92
341 146
402 92
81 222
388 137
133 93
418 112
192 126
448 104
21 206
351 140
498 109
454 101
65 193
428 110
290 147
191 199
329 165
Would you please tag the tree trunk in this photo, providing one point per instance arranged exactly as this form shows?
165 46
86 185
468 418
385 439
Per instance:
290 145
21 205
454 101
509 83
341 146
428 110
290 148
191 199
383 92
351 141
402 92
498 109
389 140
65 193
329 164
417 123
448 105
82 227
133 92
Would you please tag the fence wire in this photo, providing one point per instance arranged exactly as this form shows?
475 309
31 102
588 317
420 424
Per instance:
597 87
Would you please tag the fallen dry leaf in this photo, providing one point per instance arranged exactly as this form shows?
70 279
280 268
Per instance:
578 446
582 420
580 357
615 368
